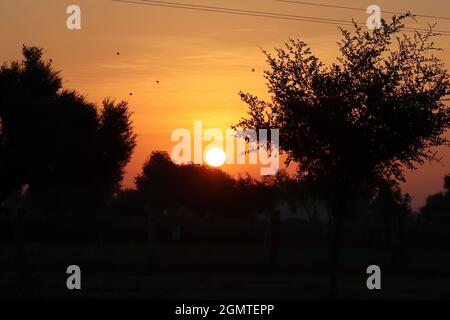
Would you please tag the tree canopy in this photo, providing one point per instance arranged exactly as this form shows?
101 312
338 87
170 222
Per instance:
64 148
359 121
381 107
437 208
203 189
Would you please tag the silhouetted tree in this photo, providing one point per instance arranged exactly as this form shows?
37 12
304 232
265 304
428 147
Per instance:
199 188
128 203
437 209
157 183
379 108
394 210
26 89
206 190
70 154
116 144
269 191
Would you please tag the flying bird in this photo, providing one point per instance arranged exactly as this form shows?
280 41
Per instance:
157 81
253 70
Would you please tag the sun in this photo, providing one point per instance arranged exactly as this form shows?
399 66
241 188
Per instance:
215 157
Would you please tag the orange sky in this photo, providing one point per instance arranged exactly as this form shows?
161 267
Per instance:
202 60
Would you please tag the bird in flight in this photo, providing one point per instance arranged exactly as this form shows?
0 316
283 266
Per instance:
157 81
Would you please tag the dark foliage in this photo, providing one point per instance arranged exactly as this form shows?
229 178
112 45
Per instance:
380 108
437 209
68 154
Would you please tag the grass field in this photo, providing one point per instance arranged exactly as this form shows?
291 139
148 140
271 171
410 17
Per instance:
182 271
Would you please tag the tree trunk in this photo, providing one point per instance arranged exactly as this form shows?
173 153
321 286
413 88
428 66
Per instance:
335 248
151 240
274 238
19 239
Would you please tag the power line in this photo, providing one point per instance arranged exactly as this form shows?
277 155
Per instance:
258 13
357 9
253 13
233 11
242 10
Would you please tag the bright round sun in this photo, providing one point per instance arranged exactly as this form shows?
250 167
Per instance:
215 157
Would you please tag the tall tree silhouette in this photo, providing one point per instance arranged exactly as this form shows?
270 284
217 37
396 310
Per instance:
26 88
69 152
116 143
199 188
158 180
380 108
437 209
394 210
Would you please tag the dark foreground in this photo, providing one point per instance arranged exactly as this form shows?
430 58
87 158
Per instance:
232 271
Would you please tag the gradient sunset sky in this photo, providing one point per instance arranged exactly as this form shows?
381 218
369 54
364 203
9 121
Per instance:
201 59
